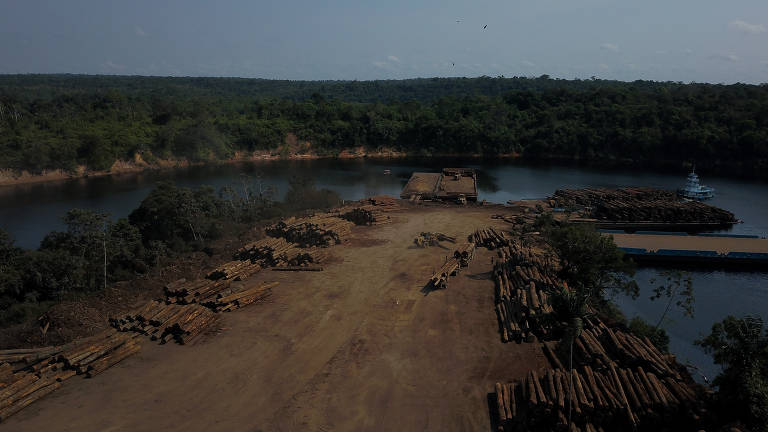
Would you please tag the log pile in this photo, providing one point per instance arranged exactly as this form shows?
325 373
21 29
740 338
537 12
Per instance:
599 346
319 230
640 205
464 254
523 281
29 374
489 238
273 252
439 279
183 321
235 270
612 398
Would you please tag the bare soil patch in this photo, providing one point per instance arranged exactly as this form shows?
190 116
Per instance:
356 347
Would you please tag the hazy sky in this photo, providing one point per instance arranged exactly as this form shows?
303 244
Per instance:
679 40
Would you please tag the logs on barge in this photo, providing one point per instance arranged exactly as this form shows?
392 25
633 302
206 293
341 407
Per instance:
640 205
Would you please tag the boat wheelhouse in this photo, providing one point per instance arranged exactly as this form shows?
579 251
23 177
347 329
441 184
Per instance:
695 190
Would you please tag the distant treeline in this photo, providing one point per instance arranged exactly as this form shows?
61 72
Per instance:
62 121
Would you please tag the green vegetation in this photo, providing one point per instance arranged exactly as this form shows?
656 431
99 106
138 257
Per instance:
95 251
740 346
62 121
677 287
658 336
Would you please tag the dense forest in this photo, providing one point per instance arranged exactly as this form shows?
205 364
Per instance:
66 121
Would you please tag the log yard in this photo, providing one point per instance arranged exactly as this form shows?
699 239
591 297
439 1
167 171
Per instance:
364 330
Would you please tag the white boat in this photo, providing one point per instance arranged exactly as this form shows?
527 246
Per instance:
694 190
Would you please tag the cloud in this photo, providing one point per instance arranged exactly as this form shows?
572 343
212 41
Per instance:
393 59
609 47
139 31
725 57
746 27
380 64
528 63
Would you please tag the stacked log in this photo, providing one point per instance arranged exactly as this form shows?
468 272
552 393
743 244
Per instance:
384 202
367 215
606 399
318 230
523 280
182 322
29 374
641 205
235 270
599 346
439 279
489 238
464 254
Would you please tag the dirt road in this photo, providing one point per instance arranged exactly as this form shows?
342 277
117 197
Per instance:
357 347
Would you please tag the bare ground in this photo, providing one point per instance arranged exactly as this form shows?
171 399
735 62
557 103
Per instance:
357 347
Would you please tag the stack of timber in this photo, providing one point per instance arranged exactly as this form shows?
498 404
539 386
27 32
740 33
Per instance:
609 399
183 321
523 281
439 279
640 205
599 346
274 252
464 254
235 270
460 258
27 375
318 230
370 211
489 238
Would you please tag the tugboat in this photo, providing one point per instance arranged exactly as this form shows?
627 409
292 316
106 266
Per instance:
694 190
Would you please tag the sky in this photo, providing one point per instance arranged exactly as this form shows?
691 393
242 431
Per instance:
672 40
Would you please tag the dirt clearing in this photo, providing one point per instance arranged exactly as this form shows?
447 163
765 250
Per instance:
356 347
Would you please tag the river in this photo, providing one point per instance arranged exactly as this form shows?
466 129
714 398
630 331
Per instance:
30 211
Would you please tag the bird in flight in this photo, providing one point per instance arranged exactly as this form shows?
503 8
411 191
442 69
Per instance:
453 64
458 21
485 26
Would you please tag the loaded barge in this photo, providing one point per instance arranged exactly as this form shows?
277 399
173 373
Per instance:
452 184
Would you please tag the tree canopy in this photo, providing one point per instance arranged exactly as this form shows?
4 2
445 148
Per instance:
62 121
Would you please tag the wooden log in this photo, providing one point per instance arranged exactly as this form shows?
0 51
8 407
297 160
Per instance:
22 403
539 391
298 268
552 356
500 403
112 359
649 387
620 391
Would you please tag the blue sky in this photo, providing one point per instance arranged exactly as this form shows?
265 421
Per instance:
678 40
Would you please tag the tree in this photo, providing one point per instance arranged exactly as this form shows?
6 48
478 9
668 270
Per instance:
740 346
178 216
591 264
677 287
303 194
11 276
